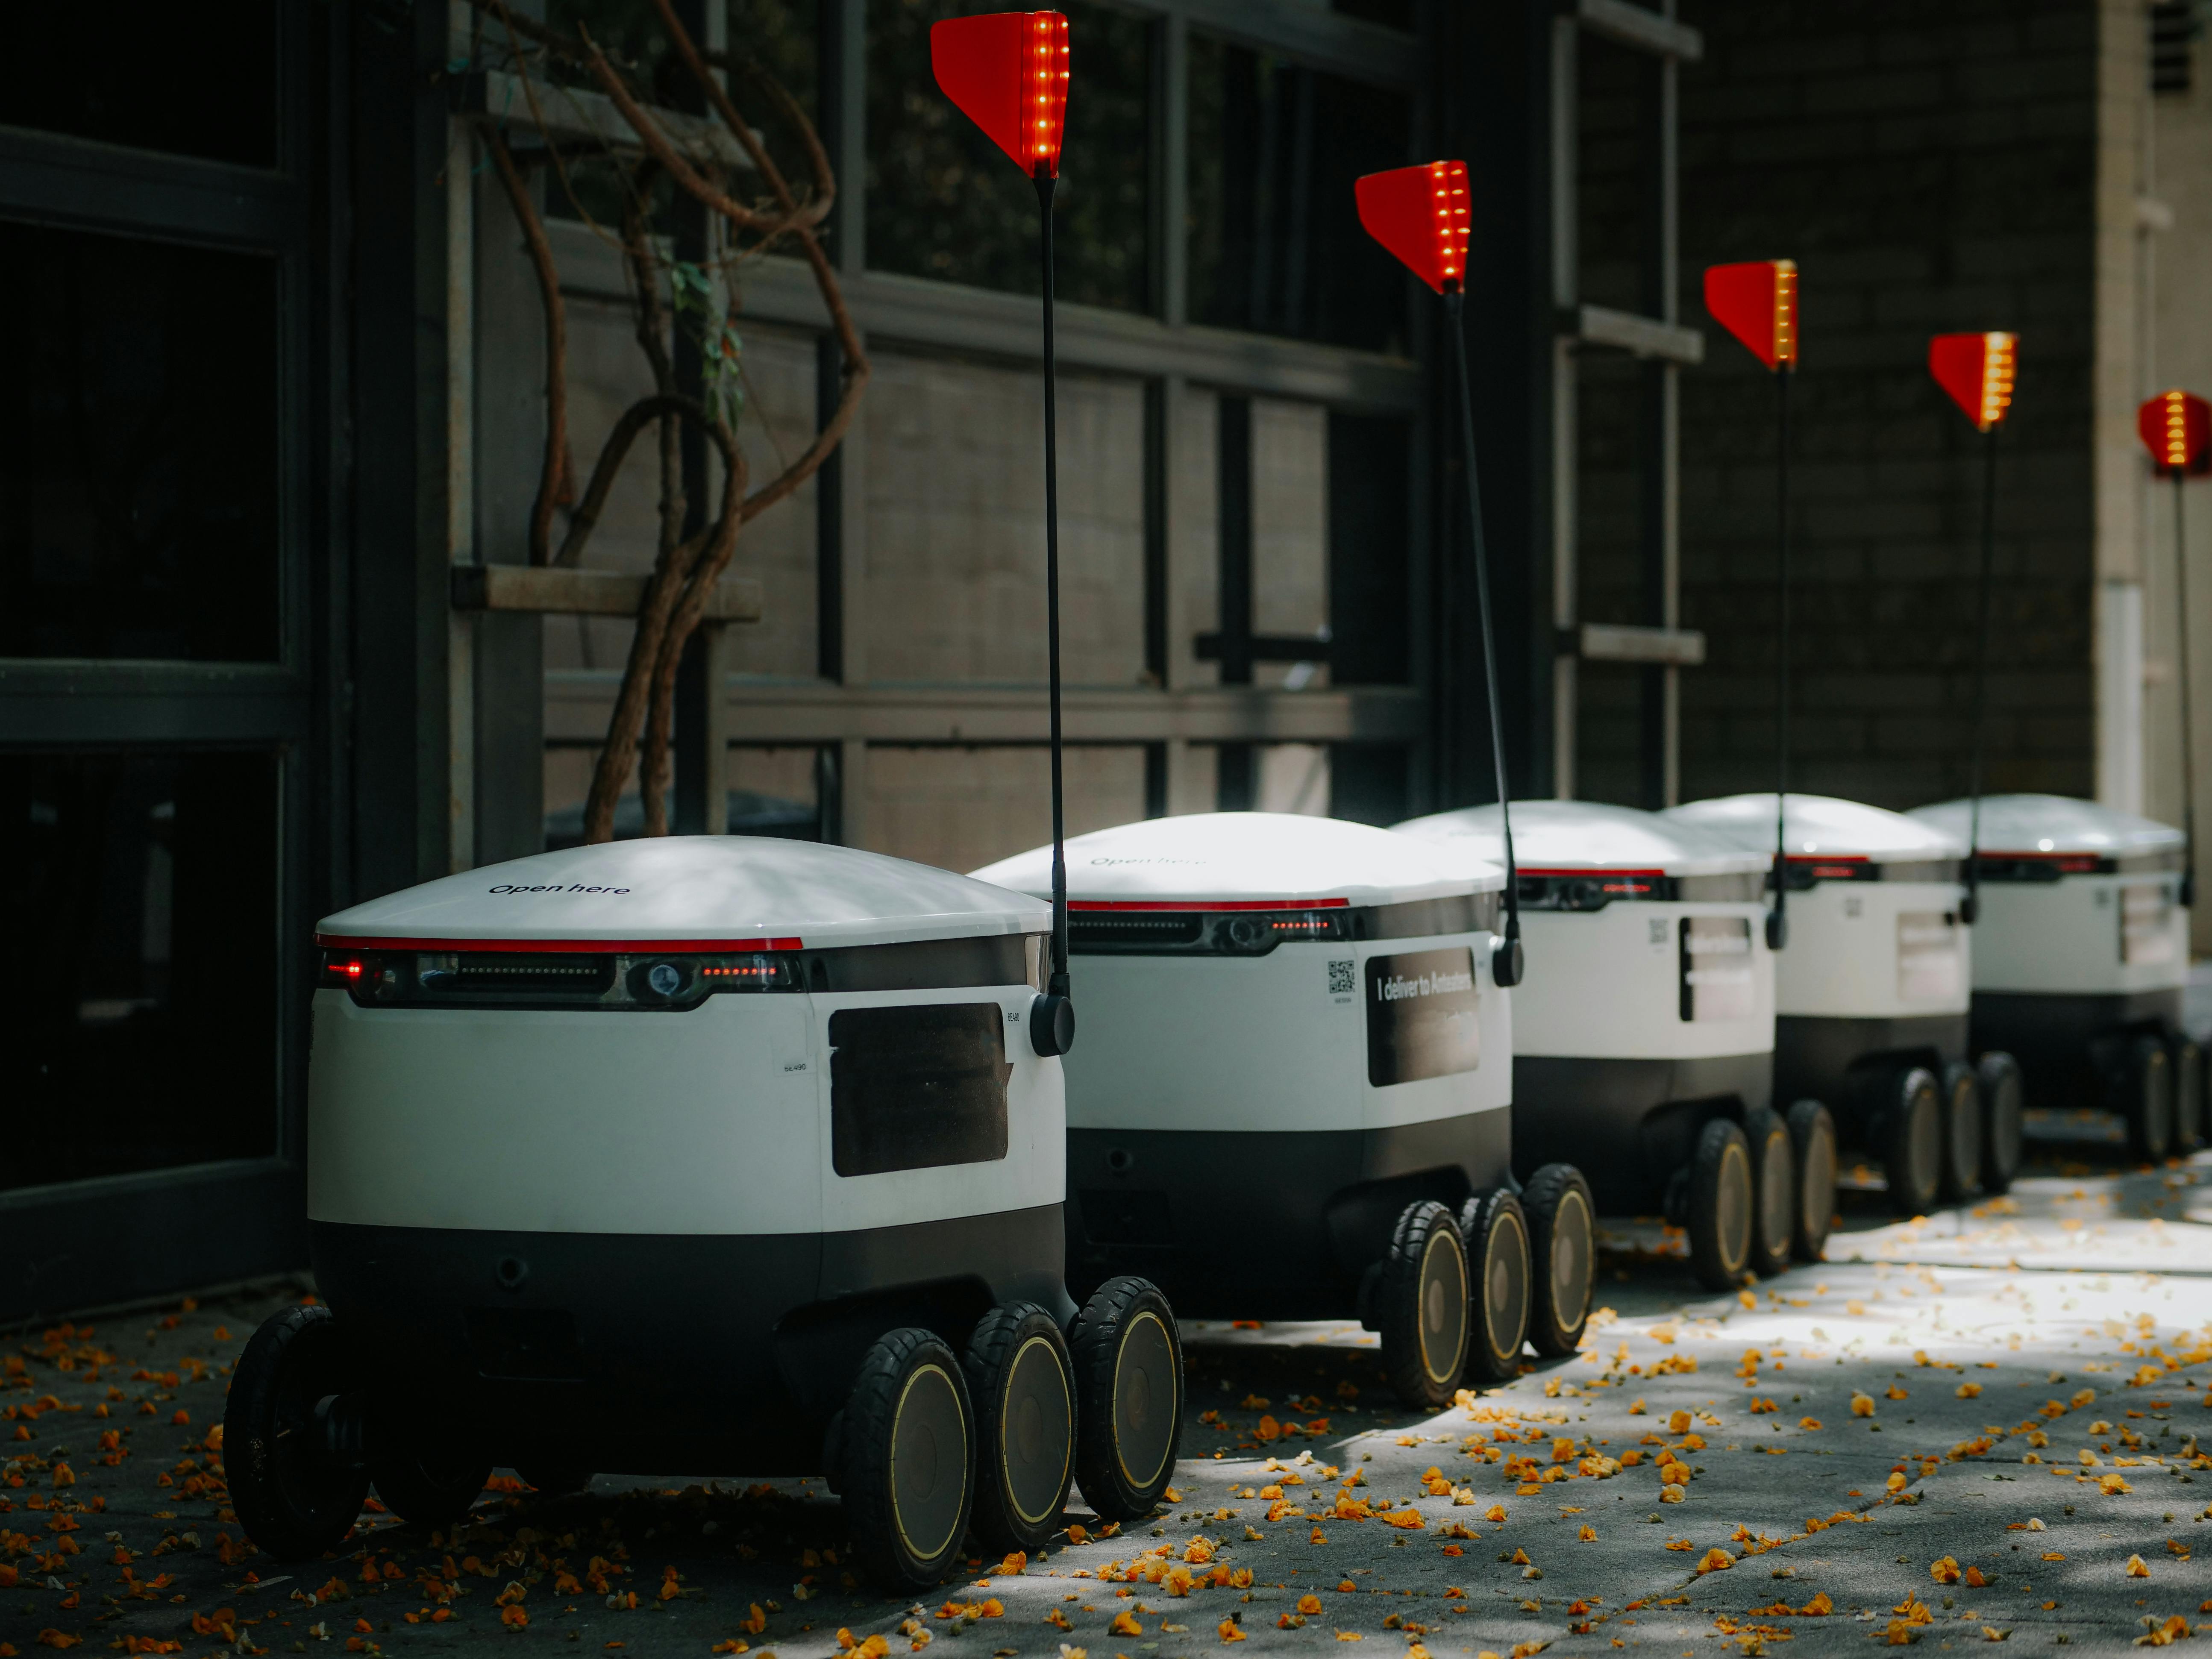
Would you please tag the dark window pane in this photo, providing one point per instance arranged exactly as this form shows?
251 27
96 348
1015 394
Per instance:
1275 242
138 476
780 35
917 1087
944 201
138 993
197 80
1391 14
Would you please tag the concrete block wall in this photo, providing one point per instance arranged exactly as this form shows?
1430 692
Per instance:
964 808
956 524
1930 169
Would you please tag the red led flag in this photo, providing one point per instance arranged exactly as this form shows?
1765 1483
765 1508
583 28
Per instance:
1976 371
2176 427
1008 73
1757 302
1420 213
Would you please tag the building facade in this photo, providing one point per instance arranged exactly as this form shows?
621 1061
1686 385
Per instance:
276 405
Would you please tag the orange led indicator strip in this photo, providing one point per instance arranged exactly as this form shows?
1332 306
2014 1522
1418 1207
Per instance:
2177 429
1448 185
1996 378
1785 311
1049 81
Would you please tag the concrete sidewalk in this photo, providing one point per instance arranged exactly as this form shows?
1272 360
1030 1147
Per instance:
2038 1419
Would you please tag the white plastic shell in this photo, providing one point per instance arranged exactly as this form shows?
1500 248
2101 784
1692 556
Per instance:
713 1120
2088 933
1272 1042
1857 950
1607 983
696 890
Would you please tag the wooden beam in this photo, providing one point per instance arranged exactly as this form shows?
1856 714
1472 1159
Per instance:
556 591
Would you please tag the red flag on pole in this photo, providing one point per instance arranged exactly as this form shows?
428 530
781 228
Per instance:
2176 427
1976 371
1008 73
1420 215
1757 302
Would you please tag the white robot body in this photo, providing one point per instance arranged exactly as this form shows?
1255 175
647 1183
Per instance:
1648 1001
1876 973
1302 1006
2081 937
588 1126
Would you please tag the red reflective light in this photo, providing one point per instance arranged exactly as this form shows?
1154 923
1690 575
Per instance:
353 969
1975 370
1421 215
1757 302
2176 427
1007 72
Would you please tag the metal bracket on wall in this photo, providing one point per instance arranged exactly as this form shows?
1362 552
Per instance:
1675 648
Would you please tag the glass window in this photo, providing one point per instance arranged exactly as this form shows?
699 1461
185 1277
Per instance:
138 993
780 35
1274 239
198 80
944 201
1391 14
138 464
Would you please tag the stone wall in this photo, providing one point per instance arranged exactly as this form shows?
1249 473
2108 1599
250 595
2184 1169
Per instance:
1930 169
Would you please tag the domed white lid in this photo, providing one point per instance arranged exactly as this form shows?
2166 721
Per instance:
1821 826
2053 823
692 892
1584 835
1259 860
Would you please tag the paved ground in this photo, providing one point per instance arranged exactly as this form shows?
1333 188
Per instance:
2030 1375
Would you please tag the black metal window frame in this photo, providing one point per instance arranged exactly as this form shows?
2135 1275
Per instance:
146 1232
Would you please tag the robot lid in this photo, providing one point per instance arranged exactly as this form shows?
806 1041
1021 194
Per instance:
1571 836
688 892
2026 826
1821 826
1256 860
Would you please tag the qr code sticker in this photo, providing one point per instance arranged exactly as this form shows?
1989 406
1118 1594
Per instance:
1339 979
1659 932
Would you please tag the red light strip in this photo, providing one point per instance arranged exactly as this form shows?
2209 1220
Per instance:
1830 858
562 946
1531 870
1209 904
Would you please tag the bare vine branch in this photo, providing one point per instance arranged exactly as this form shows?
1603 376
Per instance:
550 481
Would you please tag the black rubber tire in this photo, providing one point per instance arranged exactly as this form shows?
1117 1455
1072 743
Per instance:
1421 1306
908 1492
1496 1229
1961 1091
2147 1098
1563 1252
555 1479
423 1482
1722 1205
1023 1384
1912 1138
2187 1057
2004 1139
1813 1150
1774 1190
294 1500
1127 1355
